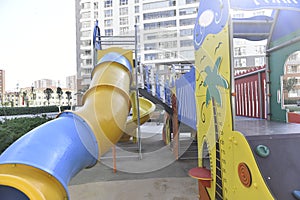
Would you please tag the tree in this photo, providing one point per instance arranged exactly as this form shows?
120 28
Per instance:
289 84
69 96
25 98
59 93
48 92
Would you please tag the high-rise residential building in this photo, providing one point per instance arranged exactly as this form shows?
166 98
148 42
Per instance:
2 85
44 83
165 30
71 82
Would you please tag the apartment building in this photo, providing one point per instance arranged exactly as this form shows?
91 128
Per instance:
30 96
165 30
44 83
165 34
71 82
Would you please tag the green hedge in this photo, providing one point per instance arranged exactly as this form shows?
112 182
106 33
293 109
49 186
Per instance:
7 111
12 129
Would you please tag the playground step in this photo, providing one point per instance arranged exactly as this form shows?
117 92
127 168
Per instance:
188 149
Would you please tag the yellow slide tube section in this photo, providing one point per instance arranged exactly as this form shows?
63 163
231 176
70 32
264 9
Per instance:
146 108
107 102
80 137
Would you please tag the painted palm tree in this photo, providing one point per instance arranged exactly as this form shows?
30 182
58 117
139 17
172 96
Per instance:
212 81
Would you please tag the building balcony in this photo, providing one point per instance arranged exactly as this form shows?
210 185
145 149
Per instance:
82 56
86 66
85 47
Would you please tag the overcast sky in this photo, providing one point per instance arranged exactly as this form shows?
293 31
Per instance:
37 40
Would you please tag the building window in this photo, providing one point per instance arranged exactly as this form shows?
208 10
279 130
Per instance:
168 44
109 32
95 5
108 13
150 46
95 15
86 24
186 22
161 14
86 15
188 11
186 43
86 43
123 20
159 4
239 51
86 5
124 11
136 9
108 22
186 32
107 3
291 69
260 49
87 52
191 1
137 19
124 30
86 33
244 62
123 2
164 24
259 61
151 56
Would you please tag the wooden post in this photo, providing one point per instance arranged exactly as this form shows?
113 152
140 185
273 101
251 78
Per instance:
175 126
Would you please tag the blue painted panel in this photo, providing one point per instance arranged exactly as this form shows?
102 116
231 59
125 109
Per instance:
211 19
186 103
286 24
240 26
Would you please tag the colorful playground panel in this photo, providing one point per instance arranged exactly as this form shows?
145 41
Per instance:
248 159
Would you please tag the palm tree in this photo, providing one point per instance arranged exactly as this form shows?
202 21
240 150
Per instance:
25 98
59 93
212 80
48 92
69 96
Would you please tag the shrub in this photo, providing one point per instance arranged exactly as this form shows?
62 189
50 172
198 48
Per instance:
8 111
12 129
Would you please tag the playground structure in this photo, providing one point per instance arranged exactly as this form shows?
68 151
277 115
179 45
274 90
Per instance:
248 159
40 164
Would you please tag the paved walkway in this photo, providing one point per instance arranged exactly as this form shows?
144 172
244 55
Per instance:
156 176
145 189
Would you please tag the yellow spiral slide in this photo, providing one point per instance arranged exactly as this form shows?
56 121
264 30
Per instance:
40 164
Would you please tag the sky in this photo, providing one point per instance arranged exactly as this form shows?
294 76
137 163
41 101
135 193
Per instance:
37 41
